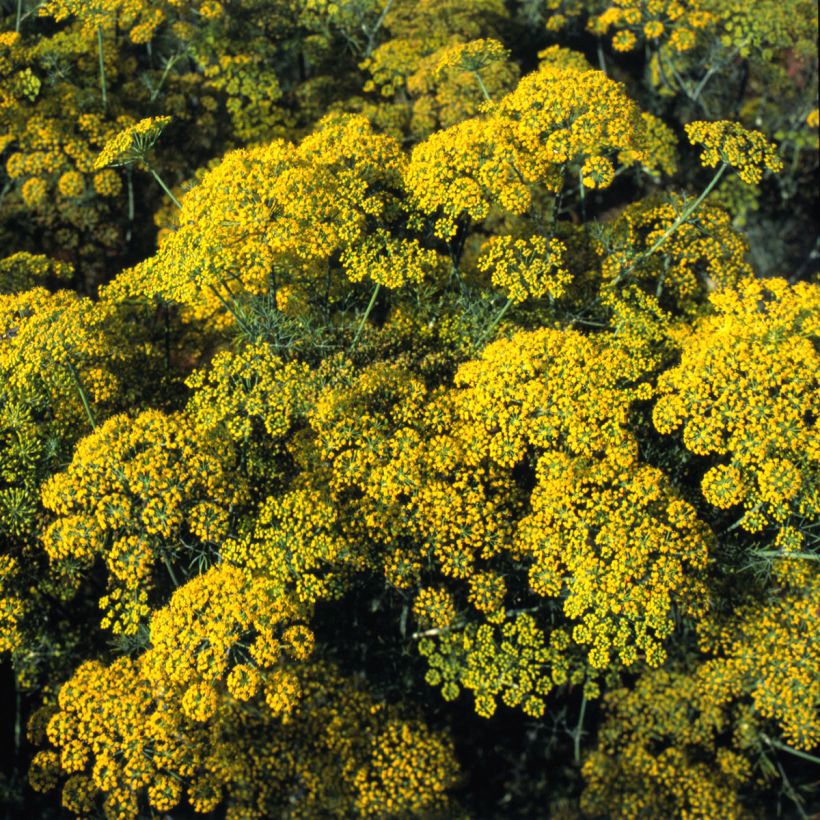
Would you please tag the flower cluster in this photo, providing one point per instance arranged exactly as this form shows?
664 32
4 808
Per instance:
656 21
514 662
68 352
556 117
657 753
23 271
421 364
217 617
135 491
697 256
760 346
11 607
120 742
525 268
277 206
132 143
749 152
686 740
250 388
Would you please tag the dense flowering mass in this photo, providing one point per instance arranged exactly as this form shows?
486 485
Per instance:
409 409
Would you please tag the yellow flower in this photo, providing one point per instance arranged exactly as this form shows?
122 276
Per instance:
747 151
723 486
624 41
744 389
243 681
34 192
653 29
107 183
525 268
71 184
597 172
199 702
132 143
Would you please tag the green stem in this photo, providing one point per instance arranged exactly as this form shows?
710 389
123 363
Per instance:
75 376
167 334
370 305
371 35
601 57
482 86
443 630
711 73
130 181
685 214
19 14
557 200
165 188
579 730
702 84
169 64
582 195
791 793
239 320
170 570
102 66
661 72
498 317
31 11
675 73
17 710
784 748
806 556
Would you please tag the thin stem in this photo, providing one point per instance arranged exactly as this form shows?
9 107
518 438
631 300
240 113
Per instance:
75 377
588 323
662 279
328 283
17 705
558 200
441 630
582 195
685 214
170 570
239 320
482 86
130 183
167 333
791 793
19 15
370 305
371 35
165 188
499 316
710 73
702 84
31 11
169 64
102 66
579 730
784 748
601 56
661 72
806 556
681 82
